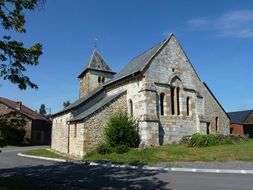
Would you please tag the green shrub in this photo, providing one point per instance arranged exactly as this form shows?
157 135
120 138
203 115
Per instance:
198 140
12 128
104 149
122 130
121 149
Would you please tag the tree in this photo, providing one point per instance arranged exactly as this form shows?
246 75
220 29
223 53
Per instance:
14 57
65 104
12 128
42 110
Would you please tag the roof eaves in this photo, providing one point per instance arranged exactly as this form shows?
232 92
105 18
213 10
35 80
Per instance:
86 98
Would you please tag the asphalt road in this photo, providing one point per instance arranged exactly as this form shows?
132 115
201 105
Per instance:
53 175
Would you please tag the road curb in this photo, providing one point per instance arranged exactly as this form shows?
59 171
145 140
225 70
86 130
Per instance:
42 158
193 170
172 169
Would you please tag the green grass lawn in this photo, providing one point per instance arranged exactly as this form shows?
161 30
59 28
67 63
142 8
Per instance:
168 153
44 153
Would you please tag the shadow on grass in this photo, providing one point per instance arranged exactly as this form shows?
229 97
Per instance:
79 176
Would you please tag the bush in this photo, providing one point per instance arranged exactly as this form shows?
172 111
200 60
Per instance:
121 149
122 130
199 140
12 128
104 149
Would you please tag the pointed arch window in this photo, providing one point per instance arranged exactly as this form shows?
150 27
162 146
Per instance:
130 105
162 103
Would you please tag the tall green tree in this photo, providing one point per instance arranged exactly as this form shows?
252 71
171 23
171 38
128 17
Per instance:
42 110
65 104
14 56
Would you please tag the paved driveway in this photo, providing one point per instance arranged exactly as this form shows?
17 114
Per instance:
52 175
9 158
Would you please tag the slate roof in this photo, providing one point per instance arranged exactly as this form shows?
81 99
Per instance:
107 99
138 63
24 110
80 101
96 62
239 116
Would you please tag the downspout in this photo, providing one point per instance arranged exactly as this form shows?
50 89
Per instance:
68 136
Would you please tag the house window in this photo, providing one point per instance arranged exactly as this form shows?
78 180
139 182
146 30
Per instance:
172 101
99 79
162 103
178 103
130 102
188 106
103 79
216 124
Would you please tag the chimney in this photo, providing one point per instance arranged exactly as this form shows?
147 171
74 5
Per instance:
19 105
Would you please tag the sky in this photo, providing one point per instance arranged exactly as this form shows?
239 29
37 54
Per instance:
217 37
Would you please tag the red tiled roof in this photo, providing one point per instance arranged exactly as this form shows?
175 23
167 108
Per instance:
24 110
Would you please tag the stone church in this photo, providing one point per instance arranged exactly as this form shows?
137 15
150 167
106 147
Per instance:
160 88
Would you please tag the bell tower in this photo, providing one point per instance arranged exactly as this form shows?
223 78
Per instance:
95 73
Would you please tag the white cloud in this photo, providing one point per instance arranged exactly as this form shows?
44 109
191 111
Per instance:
237 24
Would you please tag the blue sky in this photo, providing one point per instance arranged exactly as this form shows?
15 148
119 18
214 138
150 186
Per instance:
216 35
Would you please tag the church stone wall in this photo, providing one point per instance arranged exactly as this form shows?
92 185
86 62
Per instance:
76 140
60 133
171 68
213 110
93 126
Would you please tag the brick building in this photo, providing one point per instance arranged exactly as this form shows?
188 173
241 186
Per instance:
241 122
38 128
160 88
